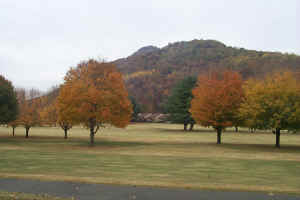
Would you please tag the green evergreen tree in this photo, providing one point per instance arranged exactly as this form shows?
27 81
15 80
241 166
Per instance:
135 107
179 102
8 102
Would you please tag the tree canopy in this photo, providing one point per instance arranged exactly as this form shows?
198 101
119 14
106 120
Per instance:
94 94
272 103
8 101
29 109
217 98
179 102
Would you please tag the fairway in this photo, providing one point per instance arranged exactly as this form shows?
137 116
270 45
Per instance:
155 155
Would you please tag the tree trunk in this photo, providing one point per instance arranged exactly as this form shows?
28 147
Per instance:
185 127
66 133
219 133
278 137
27 132
191 127
13 130
236 129
92 135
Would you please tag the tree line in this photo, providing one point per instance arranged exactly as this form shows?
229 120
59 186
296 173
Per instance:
94 95
223 99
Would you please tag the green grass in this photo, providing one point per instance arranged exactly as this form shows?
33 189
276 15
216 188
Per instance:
156 155
23 196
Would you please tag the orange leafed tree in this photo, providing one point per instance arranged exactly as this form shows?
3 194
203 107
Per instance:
29 115
49 114
94 94
217 98
54 114
64 120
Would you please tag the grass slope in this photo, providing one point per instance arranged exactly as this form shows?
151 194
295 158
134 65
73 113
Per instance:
156 155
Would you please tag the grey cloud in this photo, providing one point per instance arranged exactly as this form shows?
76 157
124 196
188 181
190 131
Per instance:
41 39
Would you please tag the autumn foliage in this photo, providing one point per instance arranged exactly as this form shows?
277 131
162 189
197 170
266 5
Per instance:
217 98
30 106
94 94
272 103
152 73
48 114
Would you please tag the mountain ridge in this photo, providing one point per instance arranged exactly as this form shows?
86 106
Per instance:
151 72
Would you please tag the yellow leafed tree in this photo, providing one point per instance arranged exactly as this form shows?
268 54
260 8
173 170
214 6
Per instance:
272 103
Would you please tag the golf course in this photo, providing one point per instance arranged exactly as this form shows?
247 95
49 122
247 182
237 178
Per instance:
153 154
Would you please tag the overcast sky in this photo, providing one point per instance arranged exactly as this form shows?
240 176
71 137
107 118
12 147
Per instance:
41 39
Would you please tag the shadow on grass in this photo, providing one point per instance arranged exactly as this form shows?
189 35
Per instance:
73 142
21 138
182 131
285 148
241 148
56 141
211 131
111 143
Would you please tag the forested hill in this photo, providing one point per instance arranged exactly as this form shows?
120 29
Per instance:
151 72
